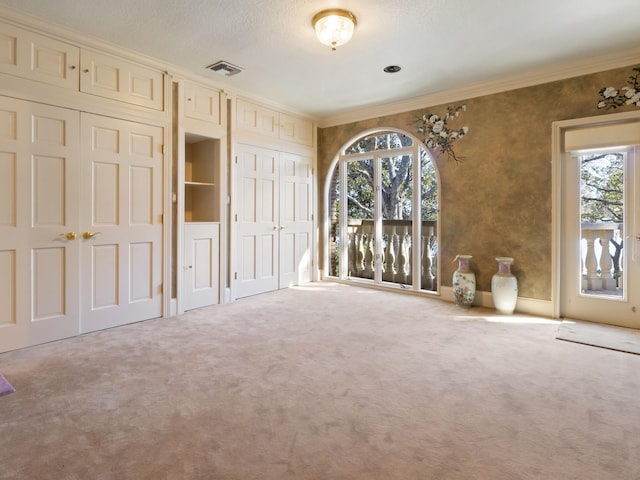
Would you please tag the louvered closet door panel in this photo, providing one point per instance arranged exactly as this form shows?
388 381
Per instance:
122 218
39 160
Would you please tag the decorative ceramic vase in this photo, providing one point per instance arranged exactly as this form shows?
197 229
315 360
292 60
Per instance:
504 287
464 282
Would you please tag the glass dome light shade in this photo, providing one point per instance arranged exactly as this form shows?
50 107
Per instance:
334 27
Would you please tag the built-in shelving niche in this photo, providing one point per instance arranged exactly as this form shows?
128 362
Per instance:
201 179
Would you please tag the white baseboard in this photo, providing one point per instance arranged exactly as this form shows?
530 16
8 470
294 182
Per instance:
529 306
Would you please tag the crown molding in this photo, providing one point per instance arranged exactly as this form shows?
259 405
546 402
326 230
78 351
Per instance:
529 78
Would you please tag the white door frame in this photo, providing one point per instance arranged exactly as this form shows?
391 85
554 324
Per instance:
558 131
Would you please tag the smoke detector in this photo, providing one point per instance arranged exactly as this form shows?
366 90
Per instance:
224 68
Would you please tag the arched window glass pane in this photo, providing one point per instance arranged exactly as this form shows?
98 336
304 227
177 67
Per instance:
384 194
379 141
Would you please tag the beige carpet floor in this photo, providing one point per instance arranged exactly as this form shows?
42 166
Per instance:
324 381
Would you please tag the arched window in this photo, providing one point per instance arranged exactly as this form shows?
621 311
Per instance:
384 186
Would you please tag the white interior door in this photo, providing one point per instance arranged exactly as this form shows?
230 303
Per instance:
201 265
39 160
600 247
257 227
296 222
121 220
274 223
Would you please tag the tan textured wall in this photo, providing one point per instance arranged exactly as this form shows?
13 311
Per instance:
497 201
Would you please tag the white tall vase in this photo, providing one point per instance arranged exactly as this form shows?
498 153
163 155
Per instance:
504 287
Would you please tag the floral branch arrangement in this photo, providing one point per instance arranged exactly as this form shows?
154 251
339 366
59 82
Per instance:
438 135
611 97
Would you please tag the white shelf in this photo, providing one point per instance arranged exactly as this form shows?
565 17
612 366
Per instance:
201 184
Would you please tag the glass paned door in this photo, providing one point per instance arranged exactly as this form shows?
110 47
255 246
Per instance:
360 203
602 185
396 205
600 256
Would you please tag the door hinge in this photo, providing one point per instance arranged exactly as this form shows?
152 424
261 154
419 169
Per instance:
235 276
236 159
312 217
161 288
236 217
162 149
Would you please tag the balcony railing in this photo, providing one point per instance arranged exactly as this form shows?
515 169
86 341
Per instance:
598 275
597 269
397 251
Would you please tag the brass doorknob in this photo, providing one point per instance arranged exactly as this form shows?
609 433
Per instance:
89 235
69 235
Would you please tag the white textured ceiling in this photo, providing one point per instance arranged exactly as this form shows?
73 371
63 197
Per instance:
440 44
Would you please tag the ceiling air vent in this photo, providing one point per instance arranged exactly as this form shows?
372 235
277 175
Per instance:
224 68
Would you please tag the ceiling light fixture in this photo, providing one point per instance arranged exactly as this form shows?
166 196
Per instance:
334 27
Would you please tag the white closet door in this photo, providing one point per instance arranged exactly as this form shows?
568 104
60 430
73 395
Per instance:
121 219
296 223
39 160
257 220
274 220
201 285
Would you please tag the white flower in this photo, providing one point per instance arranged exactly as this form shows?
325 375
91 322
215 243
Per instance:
611 97
437 134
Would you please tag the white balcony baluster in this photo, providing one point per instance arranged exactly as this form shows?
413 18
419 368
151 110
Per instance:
396 254
597 268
